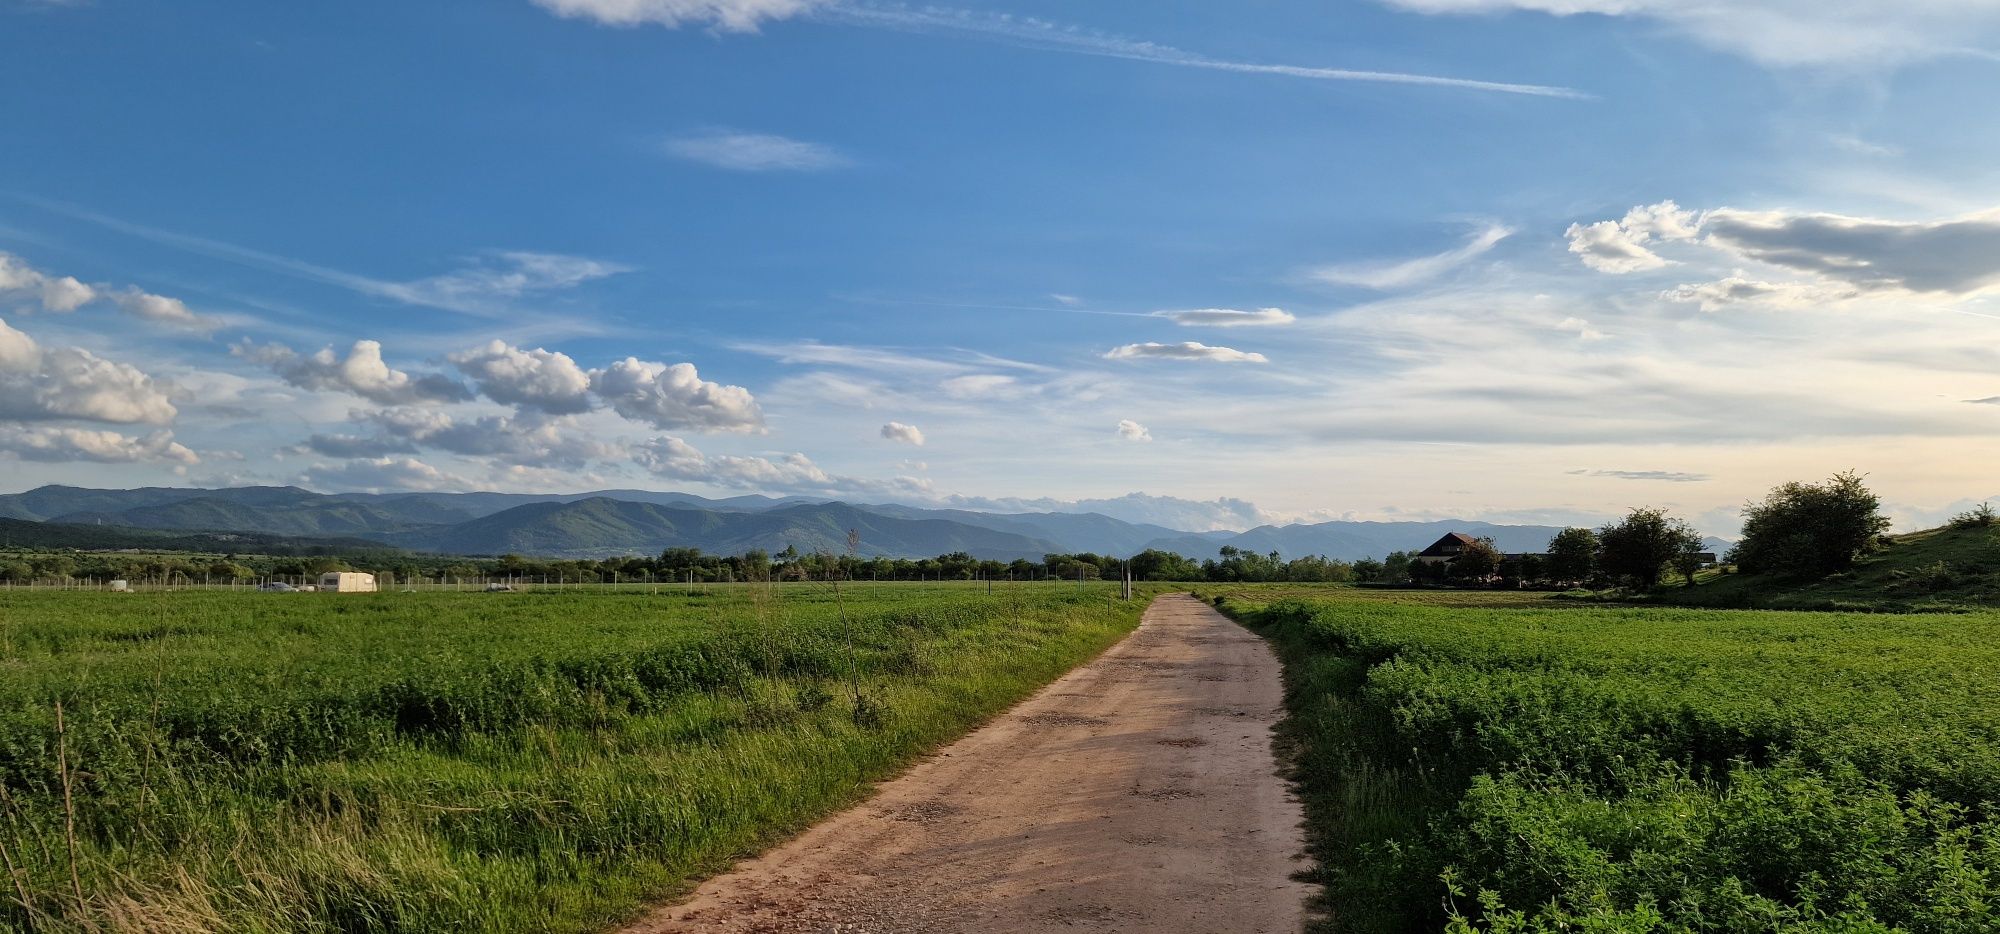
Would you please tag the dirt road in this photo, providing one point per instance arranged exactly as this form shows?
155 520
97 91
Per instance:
1136 794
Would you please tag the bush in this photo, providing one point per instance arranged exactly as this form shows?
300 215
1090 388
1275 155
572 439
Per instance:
1979 517
1810 530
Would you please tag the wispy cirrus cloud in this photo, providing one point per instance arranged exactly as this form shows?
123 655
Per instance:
1786 33
740 151
1389 276
1024 31
482 288
1664 476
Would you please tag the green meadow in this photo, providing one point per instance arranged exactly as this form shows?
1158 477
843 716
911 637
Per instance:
548 761
1509 763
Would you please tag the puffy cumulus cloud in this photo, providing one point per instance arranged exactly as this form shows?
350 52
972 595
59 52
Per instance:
1786 33
755 152
70 382
363 373
527 441
675 459
726 15
1625 245
382 475
1384 277
63 445
64 294
1133 431
1186 350
675 397
544 380
1737 290
1955 256
903 434
161 309
1228 317
52 293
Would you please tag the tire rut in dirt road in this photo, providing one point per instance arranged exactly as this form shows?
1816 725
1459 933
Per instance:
1137 793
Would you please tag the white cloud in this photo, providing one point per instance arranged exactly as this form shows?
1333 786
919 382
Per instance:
675 397
503 275
1580 328
1786 33
1070 301
539 379
981 386
363 373
70 382
64 294
903 434
726 15
382 475
161 309
1186 350
756 152
1663 476
1044 35
526 441
64 445
1385 277
675 459
1228 317
1737 290
1133 431
1624 246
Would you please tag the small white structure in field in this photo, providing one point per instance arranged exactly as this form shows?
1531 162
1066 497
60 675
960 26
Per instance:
347 582
120 586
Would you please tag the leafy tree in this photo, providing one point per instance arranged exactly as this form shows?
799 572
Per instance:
1156 565
1396 567
1810 529
1478 561
1572 556
1639 548
1367 570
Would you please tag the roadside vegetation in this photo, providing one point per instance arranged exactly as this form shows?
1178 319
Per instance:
546 761
1503 762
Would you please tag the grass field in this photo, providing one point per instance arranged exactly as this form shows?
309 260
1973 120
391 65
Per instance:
1476 762
470 762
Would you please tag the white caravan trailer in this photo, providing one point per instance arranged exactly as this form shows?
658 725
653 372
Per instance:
347 582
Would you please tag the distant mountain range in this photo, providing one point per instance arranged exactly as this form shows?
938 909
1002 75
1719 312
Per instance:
623 522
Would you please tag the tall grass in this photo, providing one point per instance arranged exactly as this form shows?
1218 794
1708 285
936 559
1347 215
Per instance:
468 762
1518 768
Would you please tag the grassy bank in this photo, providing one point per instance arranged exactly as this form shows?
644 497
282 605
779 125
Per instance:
1527 766
470 762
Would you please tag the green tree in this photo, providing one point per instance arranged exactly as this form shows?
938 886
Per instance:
1572 556
1810 529
1479 561
1639 548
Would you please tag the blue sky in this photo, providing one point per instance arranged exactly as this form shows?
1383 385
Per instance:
1505 259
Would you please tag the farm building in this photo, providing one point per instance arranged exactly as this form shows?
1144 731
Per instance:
347 582
1445 550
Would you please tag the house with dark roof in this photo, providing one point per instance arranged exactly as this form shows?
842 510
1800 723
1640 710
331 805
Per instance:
1445 550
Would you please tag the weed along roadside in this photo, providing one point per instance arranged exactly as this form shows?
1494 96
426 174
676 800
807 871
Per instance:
1498 762
457 762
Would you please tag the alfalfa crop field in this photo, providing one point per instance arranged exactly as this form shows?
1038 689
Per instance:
1510 763
547 761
